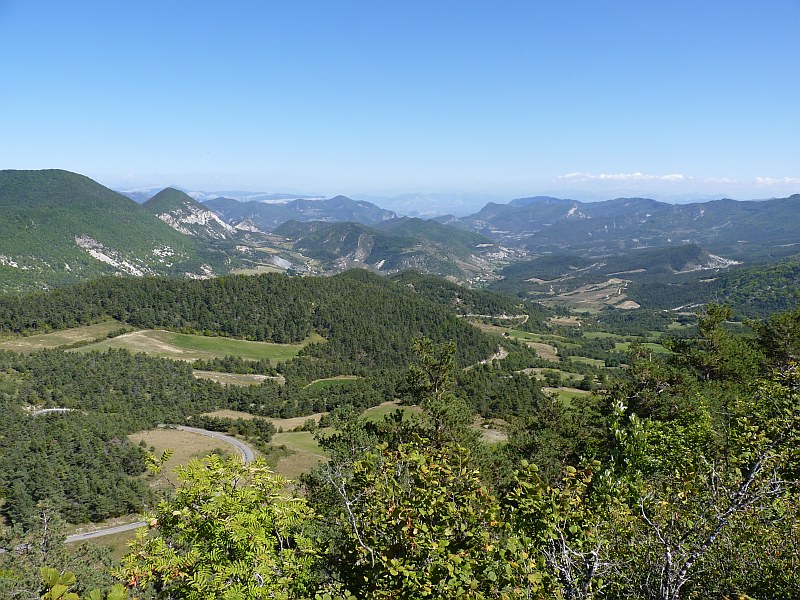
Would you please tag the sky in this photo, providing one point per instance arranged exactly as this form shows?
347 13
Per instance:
588 100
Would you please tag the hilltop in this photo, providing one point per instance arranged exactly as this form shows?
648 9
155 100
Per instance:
181 212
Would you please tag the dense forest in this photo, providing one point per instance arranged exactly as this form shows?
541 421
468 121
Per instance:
364 318
677 478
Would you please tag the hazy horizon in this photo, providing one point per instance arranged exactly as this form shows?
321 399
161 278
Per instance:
581 100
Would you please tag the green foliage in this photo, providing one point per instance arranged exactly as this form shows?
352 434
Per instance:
230 531
574 526
421 524
26 554
366 319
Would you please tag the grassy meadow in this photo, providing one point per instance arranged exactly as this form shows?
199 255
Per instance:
182 346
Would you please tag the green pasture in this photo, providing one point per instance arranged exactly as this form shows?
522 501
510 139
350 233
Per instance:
305 453
653 347
567 395
599 335
330 382
594 362
377 413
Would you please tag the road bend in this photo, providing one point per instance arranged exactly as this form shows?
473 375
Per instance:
248 456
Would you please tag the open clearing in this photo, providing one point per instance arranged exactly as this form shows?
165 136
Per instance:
332 381
493 431
376 413
595 362
654 348
280 424
182 346
540 372
566 394
545 351
566 320
591 297
307 453
64 337
237 378
257 270
230 414
185 445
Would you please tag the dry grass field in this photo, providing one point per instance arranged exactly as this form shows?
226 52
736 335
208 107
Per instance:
185 446
237 378
280 424
64 337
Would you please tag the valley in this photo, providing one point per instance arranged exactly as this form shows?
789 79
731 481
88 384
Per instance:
345 345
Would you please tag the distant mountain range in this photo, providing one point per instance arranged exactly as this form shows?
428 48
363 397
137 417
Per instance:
268 216
142 195
58 227
738 229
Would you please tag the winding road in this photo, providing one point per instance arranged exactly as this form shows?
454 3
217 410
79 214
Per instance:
248 455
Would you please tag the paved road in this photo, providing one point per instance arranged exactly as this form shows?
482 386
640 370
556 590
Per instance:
79 537
246 451
248 455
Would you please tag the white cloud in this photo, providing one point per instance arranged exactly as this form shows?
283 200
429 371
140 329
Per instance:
771 181
577 176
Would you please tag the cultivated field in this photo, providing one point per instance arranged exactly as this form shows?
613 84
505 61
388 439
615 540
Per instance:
566 394
654 348
280 424
257 270
377 413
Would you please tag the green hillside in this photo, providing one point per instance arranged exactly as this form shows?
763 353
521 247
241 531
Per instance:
58 227
459 242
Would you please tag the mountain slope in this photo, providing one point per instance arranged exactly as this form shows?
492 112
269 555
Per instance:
181 212
58 227
564 278
396 245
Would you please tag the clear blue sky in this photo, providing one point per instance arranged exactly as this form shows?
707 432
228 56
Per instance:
383 97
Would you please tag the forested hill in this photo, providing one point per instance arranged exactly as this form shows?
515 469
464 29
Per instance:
755 291
365 319
58 227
